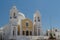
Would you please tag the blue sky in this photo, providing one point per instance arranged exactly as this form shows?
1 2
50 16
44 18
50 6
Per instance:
49 10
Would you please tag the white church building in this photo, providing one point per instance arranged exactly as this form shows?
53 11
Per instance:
22 28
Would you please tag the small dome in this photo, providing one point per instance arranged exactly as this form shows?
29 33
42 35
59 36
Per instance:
48 30
37 13
21 14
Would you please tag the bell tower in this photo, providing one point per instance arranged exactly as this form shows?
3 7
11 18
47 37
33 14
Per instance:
13 15
13 20
37 24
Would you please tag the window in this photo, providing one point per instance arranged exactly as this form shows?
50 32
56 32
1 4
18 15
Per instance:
54 34
55 30
27 24
14 15
38 19
13 32
1 37
38 31
23 32
47 33
30 32
10 17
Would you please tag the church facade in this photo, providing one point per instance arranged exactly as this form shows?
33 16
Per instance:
20 27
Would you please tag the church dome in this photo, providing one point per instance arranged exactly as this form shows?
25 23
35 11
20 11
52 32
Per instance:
1 29
21 15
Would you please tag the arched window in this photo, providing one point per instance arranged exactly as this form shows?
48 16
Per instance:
54 34
38 19
27 24
38 31
55 30
14 15
14 31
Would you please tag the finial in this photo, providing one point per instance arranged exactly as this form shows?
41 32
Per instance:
14 6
